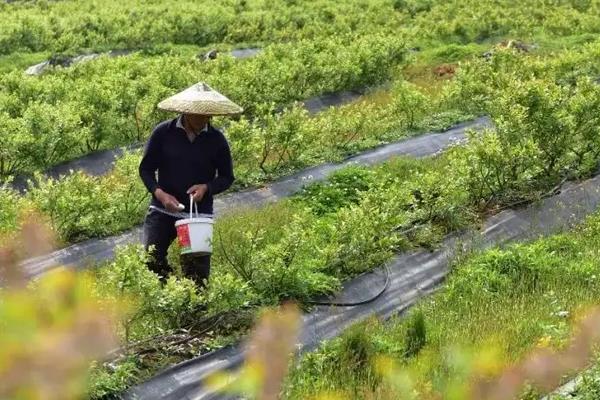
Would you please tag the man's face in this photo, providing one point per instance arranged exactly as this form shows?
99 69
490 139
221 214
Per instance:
196 122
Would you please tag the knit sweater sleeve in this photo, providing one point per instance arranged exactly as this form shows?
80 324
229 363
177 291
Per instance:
151 161
224 167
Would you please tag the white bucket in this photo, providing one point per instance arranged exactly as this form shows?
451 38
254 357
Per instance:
195 233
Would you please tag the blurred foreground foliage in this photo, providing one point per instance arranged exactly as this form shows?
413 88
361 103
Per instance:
50 329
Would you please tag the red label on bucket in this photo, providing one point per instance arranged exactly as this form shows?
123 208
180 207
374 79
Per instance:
183 235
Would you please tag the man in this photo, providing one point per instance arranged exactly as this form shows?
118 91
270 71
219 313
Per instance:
191 158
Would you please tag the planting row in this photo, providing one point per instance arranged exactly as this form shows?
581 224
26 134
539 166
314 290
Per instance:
110 102
75 26
67 27
473 22
307 246
79 206
496 308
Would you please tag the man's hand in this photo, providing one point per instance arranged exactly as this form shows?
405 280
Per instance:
198 191
169 202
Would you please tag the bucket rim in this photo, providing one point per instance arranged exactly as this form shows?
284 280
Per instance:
187 221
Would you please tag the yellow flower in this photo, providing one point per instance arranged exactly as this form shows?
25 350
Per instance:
544 341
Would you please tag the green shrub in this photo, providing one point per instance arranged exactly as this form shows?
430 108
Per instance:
274 253
453 52
156 307
239 234
357 238
289 268
105 383
13 141
11 204
227 292
284 139
544 132
414 7
80 206
409 104
439 198
443 120
127 277
341 189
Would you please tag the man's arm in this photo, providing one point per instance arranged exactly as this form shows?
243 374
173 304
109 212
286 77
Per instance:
150 162
225 176
148 166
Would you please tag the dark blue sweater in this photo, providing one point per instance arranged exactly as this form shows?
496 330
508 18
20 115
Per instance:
181 164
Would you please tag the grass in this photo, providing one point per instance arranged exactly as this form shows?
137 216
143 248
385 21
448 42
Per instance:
421 70
588 388
21 61
547 45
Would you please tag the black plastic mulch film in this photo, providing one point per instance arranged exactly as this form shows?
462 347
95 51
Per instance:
94 250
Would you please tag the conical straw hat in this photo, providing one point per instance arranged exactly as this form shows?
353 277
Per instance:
200 99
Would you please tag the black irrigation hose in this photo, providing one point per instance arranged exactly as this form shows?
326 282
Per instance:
554 191
329 303
370 300
356 303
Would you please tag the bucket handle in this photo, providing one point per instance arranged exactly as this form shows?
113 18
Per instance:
194 205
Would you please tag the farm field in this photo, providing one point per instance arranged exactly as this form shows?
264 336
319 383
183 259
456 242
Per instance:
421 66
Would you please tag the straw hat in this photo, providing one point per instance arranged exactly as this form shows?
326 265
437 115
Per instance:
200 99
